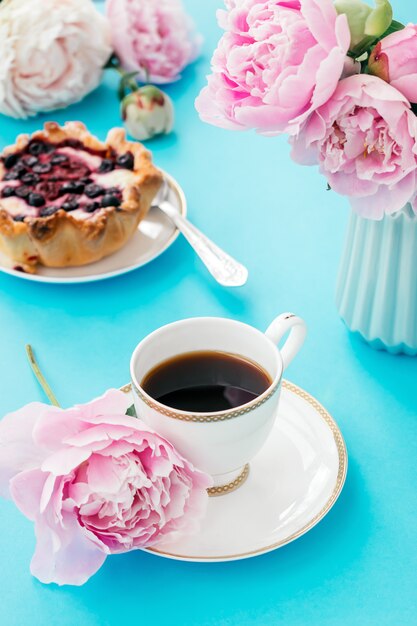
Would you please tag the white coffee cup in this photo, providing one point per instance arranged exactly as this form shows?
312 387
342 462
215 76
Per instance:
220 443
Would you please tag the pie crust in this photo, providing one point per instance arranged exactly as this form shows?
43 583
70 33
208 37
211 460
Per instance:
61 239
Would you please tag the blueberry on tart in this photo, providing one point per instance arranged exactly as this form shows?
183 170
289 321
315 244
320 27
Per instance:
68 199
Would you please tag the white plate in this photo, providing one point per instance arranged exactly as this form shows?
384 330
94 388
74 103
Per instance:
154 235
293 483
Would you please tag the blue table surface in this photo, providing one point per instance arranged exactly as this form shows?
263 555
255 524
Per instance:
358 566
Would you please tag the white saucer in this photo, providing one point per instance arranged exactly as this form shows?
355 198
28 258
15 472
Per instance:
154 235
293 483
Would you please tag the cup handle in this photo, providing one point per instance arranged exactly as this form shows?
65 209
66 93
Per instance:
298 331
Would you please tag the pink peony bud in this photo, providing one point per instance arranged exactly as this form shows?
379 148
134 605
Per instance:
394 60
147 112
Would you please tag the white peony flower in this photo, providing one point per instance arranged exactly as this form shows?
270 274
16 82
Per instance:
52 53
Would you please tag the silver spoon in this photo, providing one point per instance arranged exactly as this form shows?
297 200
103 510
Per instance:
226 270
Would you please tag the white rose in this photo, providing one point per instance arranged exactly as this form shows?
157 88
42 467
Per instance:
52 53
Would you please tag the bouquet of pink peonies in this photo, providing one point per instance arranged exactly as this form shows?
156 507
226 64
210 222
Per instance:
339 77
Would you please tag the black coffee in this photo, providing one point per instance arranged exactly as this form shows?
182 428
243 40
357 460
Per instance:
206 381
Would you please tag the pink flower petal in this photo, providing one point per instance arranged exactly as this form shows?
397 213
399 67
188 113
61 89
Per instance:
102 432
18 451
385 200
104 475
321 18
65 460
26 490
57 425
395 60
73 563
113 402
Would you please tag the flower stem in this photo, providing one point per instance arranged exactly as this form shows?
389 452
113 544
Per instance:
40 377
127 79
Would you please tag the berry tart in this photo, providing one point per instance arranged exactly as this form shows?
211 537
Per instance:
68 199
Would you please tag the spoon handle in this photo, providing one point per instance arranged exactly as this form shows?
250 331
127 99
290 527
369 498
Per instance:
226 270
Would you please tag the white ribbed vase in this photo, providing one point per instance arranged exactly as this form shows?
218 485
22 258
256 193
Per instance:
377 285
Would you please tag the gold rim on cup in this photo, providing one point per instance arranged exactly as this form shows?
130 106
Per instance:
201 418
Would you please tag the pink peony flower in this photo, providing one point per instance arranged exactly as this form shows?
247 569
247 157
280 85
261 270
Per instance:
364 139
154 37
394 59
95 482
277 62
52 54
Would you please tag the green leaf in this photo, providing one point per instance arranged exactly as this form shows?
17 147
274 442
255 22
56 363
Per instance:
131 411
363 47
129 75
121 91
393 28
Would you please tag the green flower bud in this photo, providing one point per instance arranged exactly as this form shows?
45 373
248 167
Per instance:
365 23
147 112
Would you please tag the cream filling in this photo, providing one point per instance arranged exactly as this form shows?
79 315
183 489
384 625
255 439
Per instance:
116 178
16 206
91 160
9 183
